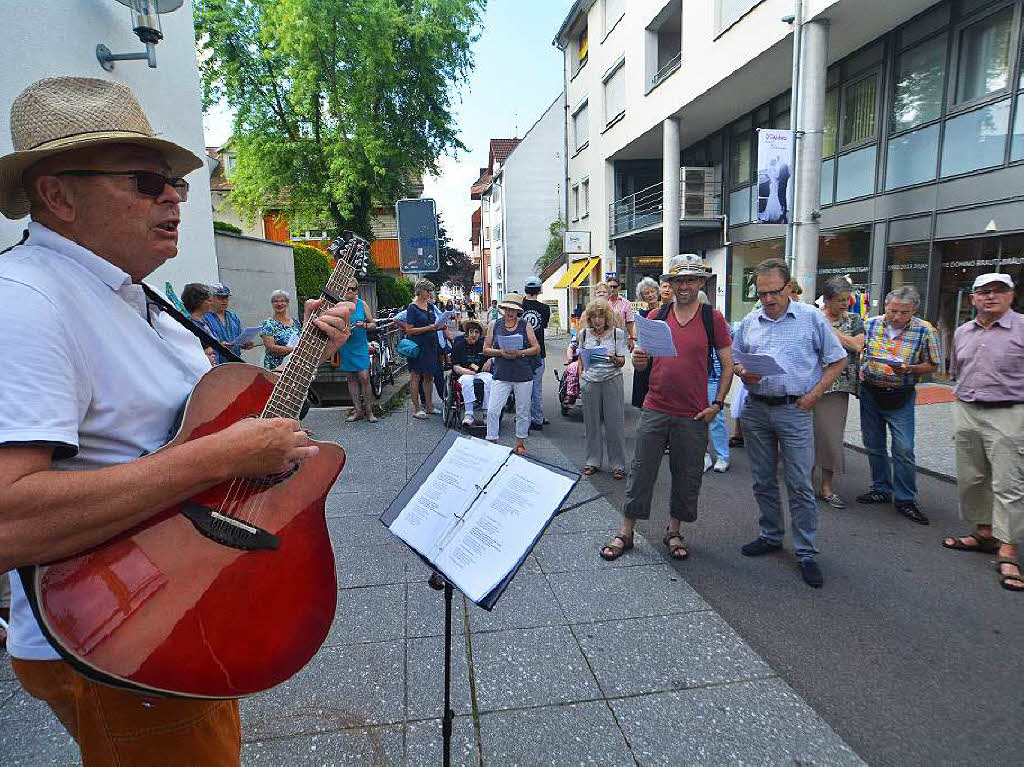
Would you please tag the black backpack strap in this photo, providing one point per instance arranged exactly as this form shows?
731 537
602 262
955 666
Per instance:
663 311
707 314
22 241
205 338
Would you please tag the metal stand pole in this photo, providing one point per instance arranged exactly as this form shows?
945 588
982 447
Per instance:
438 582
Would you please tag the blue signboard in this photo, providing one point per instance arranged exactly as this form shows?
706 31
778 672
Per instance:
478 289
417 235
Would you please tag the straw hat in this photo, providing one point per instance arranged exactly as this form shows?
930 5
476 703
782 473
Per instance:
62 113
686 265
471 323
512 301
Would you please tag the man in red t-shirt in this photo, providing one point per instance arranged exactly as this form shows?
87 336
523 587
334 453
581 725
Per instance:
676 411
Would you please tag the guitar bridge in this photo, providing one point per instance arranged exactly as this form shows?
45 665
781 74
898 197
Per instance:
227 530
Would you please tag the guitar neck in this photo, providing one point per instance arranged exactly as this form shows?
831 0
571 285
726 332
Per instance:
290 392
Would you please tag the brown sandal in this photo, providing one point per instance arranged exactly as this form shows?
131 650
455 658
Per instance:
673 551
613 551
590 470
1005 579
986 544
618 474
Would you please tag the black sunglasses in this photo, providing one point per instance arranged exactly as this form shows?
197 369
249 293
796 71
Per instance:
146 182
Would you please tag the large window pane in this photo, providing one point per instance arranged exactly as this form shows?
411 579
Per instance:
910 158
907 265
1017 145
917 94
828 139
739 160
859 113
581 126
828 174
983 62
615 94
739 206
856 174
976 139
924 25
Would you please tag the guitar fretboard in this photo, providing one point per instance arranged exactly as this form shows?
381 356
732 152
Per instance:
290 392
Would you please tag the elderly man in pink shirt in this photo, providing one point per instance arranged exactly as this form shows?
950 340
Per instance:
988 425
623 310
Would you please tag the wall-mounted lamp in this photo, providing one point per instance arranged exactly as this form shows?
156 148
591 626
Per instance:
145 16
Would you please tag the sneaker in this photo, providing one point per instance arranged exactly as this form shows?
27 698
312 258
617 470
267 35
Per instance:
468 420
421 414
912 512
874 496
721 466
811 573
436 411
759 546
834 501
708 463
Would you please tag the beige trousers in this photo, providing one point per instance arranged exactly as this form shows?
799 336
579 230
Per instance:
990 467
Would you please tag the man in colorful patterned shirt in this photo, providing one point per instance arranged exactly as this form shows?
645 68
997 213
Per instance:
899 349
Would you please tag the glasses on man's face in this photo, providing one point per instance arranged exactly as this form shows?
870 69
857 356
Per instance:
147 182
351 289
613 286
763 294
991 291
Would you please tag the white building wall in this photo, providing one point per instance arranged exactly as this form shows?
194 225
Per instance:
533 199
60 38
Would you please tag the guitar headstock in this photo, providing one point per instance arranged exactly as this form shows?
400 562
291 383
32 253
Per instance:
351 249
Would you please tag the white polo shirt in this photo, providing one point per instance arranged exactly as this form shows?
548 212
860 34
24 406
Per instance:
87 373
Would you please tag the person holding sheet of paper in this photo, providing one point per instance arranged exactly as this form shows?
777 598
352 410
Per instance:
470 365
225 325
602 347
279 332
777 419
513 345
649 292
676 409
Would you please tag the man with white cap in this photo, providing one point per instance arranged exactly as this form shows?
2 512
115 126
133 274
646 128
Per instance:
96 380
988 425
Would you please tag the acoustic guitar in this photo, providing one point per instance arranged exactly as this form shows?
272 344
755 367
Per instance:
230 592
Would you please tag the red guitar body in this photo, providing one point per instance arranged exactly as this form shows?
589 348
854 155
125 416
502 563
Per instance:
169 608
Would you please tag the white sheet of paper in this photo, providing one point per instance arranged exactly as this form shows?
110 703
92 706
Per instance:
588 355
510 343
890 361
446 316
654 337
505 520
448 492
293 339
758 364
246 336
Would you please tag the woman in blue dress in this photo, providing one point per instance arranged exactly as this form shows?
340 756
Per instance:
355 357
422 329
279 332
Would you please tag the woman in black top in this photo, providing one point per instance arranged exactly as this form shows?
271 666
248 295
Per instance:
513 368
650 294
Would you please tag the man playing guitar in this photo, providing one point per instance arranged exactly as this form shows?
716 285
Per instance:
96 379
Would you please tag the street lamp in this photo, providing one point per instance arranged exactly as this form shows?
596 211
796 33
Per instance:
145 16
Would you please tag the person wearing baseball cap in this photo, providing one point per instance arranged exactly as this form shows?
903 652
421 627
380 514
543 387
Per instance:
97 379
225 325
987 362
537 314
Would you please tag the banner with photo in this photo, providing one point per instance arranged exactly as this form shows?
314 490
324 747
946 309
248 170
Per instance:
774 190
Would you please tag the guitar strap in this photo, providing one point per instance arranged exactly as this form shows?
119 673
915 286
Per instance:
205 338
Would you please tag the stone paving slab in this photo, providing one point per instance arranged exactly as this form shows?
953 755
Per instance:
425 609
6 671
667 652
425 688
579 733
761 722
627 592
375 565
530 667
581 551
527 603
30 735
369 614
369 746
423 743
355 504
358 532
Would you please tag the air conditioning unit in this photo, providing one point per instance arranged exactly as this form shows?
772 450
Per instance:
700 192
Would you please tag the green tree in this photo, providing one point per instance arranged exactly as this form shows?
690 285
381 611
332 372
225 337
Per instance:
392 293
311 272
337 104
553 251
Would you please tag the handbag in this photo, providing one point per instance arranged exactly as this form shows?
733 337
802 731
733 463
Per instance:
408 348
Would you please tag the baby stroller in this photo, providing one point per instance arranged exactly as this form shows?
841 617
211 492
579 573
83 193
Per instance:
569 387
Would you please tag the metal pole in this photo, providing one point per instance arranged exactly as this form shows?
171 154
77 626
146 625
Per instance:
671 211
794 112
449 715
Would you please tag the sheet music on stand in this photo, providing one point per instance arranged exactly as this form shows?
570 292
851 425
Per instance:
474 511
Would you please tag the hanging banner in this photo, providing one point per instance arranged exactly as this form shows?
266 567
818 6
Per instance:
774 193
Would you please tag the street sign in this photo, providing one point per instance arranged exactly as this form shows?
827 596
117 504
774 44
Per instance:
417 235
478 289
576 243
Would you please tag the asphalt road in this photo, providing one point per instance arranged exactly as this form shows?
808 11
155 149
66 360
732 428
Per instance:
911 652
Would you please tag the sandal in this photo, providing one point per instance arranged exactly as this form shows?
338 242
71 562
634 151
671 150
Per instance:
520 450
589 470
673 551
1005 579
355 415
986 544
372 418
611 552
618 474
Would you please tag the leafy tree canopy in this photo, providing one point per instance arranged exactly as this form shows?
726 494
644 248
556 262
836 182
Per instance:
553 251
337 103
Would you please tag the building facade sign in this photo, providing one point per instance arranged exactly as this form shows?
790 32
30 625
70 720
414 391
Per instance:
576 243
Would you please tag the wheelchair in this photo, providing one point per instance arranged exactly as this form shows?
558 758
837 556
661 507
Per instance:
453 409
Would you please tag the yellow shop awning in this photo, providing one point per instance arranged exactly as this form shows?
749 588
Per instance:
572 272
584 273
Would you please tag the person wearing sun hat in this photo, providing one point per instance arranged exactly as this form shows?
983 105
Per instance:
513 368
96 380
987 362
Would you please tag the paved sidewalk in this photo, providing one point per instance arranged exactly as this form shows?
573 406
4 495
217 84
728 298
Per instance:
582 661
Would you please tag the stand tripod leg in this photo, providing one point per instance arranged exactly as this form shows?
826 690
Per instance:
449 714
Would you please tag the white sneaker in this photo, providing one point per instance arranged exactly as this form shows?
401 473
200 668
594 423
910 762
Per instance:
707 462
436 411
721 466
468 420
419 414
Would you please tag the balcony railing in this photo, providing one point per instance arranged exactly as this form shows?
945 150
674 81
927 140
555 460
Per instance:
645 208
668 68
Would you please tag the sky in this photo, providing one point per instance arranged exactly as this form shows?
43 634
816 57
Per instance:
518 74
